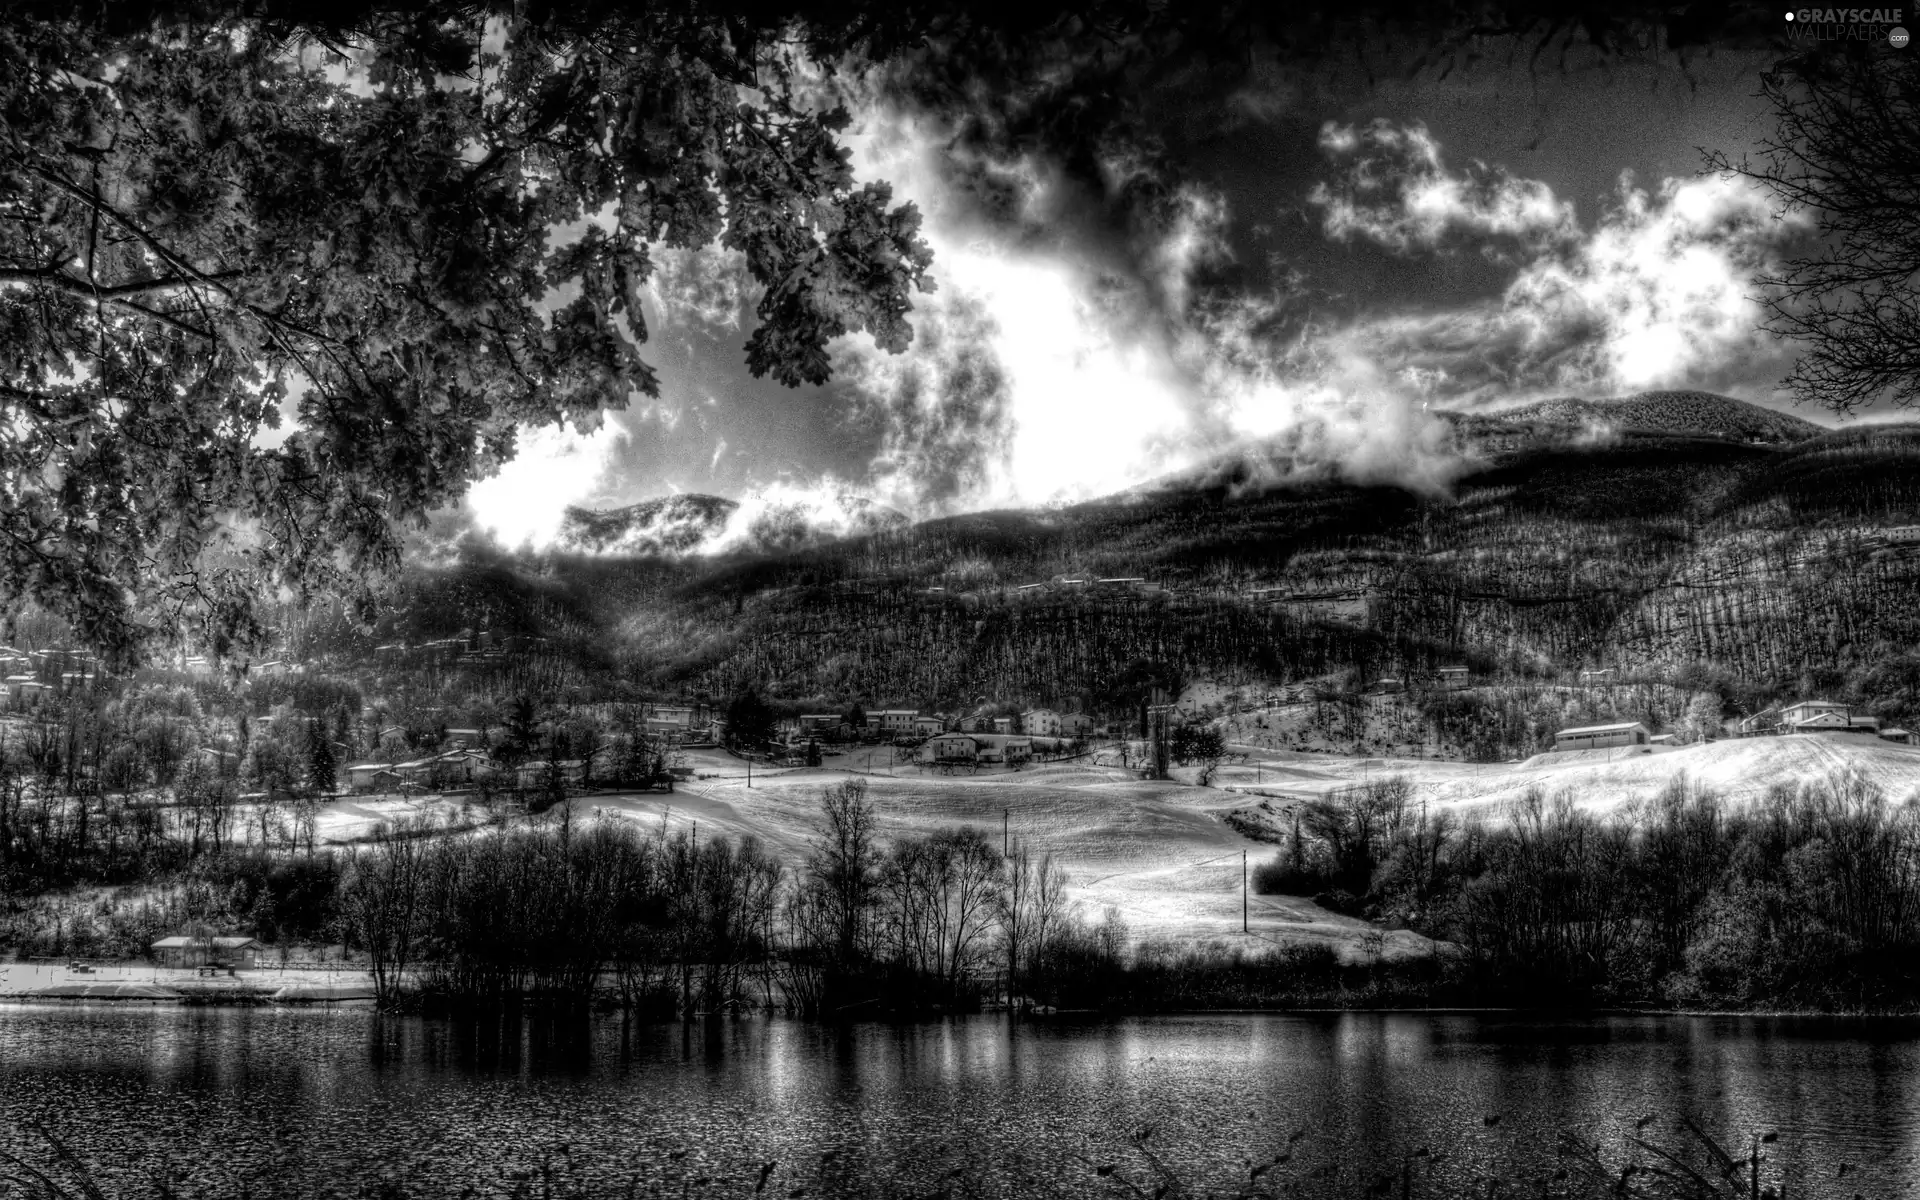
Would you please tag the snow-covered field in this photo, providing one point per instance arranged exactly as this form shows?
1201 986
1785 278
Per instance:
1600 780
1159 853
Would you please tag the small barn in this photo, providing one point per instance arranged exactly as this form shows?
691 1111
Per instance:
184 951
1600 737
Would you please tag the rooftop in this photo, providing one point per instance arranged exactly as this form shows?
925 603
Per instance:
1616 727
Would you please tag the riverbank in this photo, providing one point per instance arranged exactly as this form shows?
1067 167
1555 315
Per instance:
140 983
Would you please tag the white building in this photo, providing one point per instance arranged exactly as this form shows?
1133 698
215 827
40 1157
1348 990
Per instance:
1598 737
928 726
1827 717
1040 722
893 720
1816 713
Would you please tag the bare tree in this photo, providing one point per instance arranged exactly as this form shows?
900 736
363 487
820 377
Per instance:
844 869
381 904
1846 149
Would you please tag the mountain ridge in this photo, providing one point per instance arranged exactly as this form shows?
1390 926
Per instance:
1671 412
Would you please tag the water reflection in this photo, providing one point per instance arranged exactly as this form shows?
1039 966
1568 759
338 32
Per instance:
331 1104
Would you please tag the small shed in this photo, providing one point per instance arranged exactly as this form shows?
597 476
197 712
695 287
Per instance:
184 951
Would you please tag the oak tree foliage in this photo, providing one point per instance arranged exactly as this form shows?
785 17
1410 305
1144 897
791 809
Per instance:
272 287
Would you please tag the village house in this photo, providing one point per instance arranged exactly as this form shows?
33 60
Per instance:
181 951
1599 737
924 726
668 732
950 748
18 691
819 724
1454 676
529 776
454 768
1011 749
683 715
1040 722
893 720
1003 724
372 777
1826 717
1896 734
1076 725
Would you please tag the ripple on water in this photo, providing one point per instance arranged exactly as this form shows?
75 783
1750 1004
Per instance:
314 1103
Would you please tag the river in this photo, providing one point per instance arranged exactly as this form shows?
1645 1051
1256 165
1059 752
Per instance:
266 1102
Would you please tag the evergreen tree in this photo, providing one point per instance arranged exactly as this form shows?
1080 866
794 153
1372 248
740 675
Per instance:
321 764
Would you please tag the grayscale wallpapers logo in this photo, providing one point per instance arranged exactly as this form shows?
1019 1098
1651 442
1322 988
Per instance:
1848 25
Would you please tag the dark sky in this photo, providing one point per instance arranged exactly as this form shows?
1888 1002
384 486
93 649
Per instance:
1314 260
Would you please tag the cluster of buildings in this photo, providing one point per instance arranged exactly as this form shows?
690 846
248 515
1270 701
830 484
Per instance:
468 760
902 724
1820 717
26 675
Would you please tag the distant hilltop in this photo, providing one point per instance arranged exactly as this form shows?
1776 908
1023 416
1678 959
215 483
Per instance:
1669 412
666 525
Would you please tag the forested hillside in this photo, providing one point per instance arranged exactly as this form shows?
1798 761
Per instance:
1752 568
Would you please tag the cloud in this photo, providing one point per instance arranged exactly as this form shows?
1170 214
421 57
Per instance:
1064 367
943 407
1395 191
1658 293
1662 289
554 468
1088 337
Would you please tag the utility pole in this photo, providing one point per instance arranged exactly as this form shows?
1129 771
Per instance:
1006 832
1243 892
